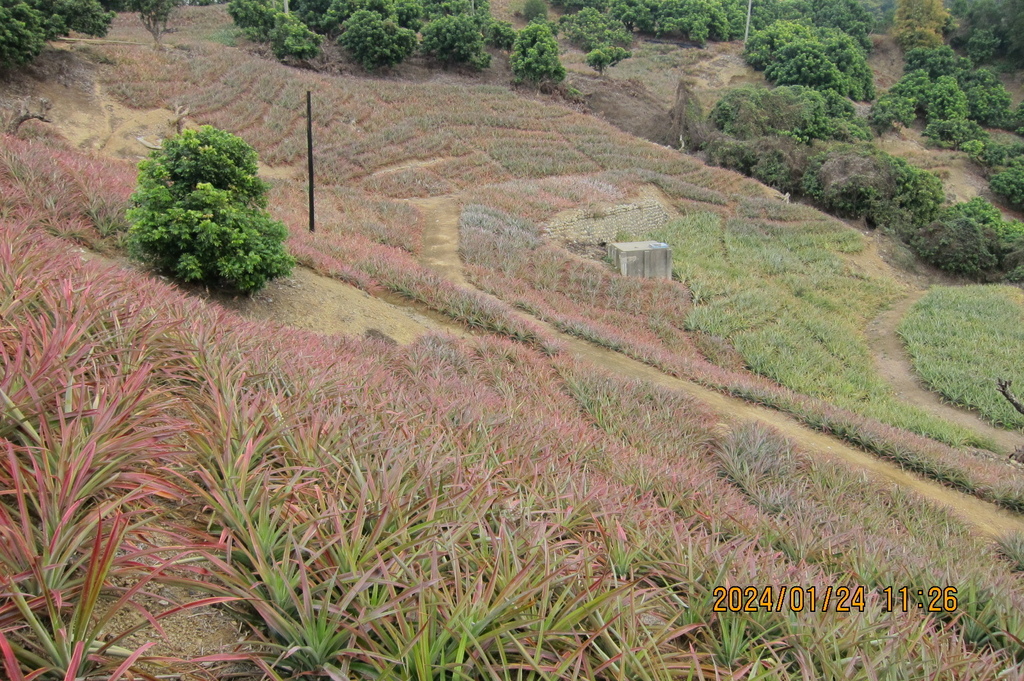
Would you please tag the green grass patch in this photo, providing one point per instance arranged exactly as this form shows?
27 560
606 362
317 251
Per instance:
794 309
962 339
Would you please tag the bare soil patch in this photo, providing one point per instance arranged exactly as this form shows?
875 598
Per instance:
307 300
628 105
885 61
441 237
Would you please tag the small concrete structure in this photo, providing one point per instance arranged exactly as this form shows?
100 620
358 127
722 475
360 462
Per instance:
642 259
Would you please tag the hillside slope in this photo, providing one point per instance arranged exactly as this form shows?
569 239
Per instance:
495 495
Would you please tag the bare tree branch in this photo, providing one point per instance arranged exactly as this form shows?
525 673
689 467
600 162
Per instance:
1004 388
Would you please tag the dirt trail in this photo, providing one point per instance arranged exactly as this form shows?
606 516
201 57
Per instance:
442 235
893 362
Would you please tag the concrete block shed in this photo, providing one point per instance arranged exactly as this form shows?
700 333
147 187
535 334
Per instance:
651 259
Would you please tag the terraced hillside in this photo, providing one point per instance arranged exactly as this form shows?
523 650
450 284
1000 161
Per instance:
550 473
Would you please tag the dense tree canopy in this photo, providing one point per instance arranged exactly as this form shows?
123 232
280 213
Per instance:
21 33
791 53
994 28
589 29
848 16
375 41
919 23
535 55
861 181
799 112
25 25
456 39
199 212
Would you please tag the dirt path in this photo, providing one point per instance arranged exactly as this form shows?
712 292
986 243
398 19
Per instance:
441 237
441 253
894 364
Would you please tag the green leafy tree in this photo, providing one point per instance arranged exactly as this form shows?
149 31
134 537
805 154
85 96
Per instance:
256 17
935 61
22 36
1010 184
763 46
501 35
576 5
478 9
988 102
957 244
848 16
861 181
891 111
200 213
916 88
806 63
749 112
919 23
316 15
849 57
589 29
292 38
699 20
533 9
954 133
971 238
376 41
534 56
947 101
982 46
25 25
996 26
606 57
409 14
791 53
155 14
455 40
60 17
635 15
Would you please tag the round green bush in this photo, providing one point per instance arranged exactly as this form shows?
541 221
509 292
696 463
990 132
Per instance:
199 213
1010 183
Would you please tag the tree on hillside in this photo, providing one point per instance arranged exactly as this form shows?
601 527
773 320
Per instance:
26 25
200 213
848 16
635 15
155 14
535 55
605 57
501 35
791 53
21 33
947 100
456 40
63 16
255 17
589 29
376 41
919 23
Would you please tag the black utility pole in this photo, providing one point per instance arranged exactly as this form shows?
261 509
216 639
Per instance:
309 156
